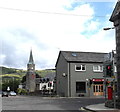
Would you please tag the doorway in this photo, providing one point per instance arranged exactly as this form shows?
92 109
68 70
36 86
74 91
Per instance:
98 89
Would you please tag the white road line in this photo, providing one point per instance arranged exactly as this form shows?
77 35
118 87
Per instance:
84 109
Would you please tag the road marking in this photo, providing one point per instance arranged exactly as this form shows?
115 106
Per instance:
84 109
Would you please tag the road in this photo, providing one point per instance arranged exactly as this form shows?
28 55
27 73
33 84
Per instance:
47 103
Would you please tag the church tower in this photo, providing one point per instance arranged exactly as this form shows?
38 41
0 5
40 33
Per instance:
30 76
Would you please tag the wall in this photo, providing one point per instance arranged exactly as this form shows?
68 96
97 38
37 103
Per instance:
61 81
82 76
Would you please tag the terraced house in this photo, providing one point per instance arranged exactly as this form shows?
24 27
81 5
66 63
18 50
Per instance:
80 74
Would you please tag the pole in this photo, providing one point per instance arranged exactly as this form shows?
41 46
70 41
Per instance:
105 87
113 63
105 80
13 83
89 87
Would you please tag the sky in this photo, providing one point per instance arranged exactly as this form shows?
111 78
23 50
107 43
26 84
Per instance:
50 26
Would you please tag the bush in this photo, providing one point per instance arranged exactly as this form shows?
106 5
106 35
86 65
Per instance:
22 91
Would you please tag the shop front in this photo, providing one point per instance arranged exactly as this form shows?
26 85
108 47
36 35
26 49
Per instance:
98 87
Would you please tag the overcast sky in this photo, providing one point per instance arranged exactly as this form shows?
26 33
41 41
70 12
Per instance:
48 26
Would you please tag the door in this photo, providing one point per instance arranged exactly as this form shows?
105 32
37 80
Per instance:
98 89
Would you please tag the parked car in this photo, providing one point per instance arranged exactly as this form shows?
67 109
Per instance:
4 94
12 93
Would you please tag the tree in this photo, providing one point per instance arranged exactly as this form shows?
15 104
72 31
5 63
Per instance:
23 79
12 83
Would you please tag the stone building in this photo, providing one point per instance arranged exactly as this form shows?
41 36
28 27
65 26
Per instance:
115 18
31 76
33 82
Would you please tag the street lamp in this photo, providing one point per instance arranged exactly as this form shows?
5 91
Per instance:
108 28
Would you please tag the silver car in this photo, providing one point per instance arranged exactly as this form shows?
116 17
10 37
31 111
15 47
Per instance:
12 93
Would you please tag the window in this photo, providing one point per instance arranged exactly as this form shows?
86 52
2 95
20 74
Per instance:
74 54
98 68
80 87
80 68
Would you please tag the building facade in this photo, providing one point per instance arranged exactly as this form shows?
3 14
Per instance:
115 18
80 74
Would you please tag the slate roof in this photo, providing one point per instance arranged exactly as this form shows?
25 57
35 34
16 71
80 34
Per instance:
37 81
73 56
51 76
31 61
116 11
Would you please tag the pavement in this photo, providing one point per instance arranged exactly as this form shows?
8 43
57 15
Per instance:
100 108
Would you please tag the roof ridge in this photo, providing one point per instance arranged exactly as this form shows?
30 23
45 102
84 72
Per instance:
84 52
83 56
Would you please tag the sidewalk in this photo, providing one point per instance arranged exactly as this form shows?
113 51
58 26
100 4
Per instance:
100 108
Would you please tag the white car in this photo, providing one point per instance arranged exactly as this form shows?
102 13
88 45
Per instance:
12 93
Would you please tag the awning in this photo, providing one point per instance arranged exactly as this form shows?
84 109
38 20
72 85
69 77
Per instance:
97 80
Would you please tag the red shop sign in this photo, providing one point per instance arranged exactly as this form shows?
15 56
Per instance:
98 80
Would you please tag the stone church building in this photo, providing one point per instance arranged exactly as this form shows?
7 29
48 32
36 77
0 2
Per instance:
32 82
30 76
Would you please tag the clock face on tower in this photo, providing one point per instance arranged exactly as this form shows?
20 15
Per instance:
31 67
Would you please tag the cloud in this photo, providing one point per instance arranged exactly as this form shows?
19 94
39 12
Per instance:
47 32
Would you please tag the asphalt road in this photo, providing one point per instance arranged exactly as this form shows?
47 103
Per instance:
35 103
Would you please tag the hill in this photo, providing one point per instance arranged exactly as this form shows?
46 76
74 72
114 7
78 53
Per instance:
13 71
45 72
5 70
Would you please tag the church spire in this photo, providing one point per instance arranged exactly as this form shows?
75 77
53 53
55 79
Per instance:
31 61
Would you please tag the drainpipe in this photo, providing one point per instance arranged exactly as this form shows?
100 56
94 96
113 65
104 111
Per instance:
68 79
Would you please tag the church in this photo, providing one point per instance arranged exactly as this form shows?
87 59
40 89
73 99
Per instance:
33 82
30 76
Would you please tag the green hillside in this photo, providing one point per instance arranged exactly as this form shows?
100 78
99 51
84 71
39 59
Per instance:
5 70
12 77
13 72
43 73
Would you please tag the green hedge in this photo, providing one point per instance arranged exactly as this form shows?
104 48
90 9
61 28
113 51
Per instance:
22 91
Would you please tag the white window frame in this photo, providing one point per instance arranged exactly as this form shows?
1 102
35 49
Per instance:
98 68
82 65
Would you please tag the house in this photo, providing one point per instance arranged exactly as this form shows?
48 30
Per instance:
46 83
80 74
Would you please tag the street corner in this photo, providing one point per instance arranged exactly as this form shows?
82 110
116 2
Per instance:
99 108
